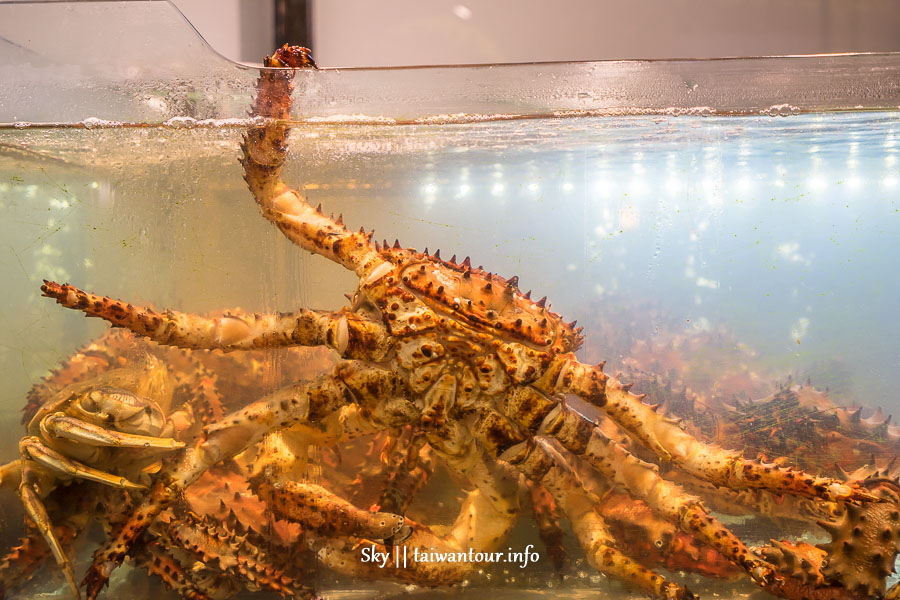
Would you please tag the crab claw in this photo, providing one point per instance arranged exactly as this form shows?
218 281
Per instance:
292 56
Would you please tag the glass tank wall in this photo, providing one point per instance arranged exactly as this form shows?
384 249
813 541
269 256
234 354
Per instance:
726 232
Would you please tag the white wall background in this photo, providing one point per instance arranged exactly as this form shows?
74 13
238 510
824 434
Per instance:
242 30
414 32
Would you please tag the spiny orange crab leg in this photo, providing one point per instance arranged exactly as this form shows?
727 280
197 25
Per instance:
348 334
264 149
307 402
317 509
670 442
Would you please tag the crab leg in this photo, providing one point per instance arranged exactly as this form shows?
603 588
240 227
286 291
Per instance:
348 334
20 563
670 442
316 508
265 147
59 425
30 493
306 402
31 447
158 560
486 517
541 463
642 480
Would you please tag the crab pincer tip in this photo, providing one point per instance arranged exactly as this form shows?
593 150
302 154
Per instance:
295 57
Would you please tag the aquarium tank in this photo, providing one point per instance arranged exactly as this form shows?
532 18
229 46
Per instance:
308 409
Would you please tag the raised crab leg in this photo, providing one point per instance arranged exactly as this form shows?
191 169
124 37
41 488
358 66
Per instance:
306 402
670 442
265 147
350 335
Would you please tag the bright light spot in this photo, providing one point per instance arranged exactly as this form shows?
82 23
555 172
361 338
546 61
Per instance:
567 187
599 290
430 189
789 252
852 163
95 185
854 183
462 12
601 187
707 283
889 181
88 263
571 267
799 329
854 147
890 160
497 189
813 149
673 185
533 188
637 186
464 189
817 183
779 183
744 185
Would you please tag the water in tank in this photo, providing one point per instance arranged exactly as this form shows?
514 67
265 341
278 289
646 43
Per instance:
307 409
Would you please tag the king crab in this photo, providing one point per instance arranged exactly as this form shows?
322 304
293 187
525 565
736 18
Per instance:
464 357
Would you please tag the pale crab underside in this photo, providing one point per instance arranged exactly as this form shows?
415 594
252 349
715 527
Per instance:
109 429
462 356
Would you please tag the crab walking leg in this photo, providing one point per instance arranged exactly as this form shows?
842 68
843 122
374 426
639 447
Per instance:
351 336
317 509
265 147
438 555
30 493
60 425
541 463
21 562
32 448
664 437
641 479
547 516
307 402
